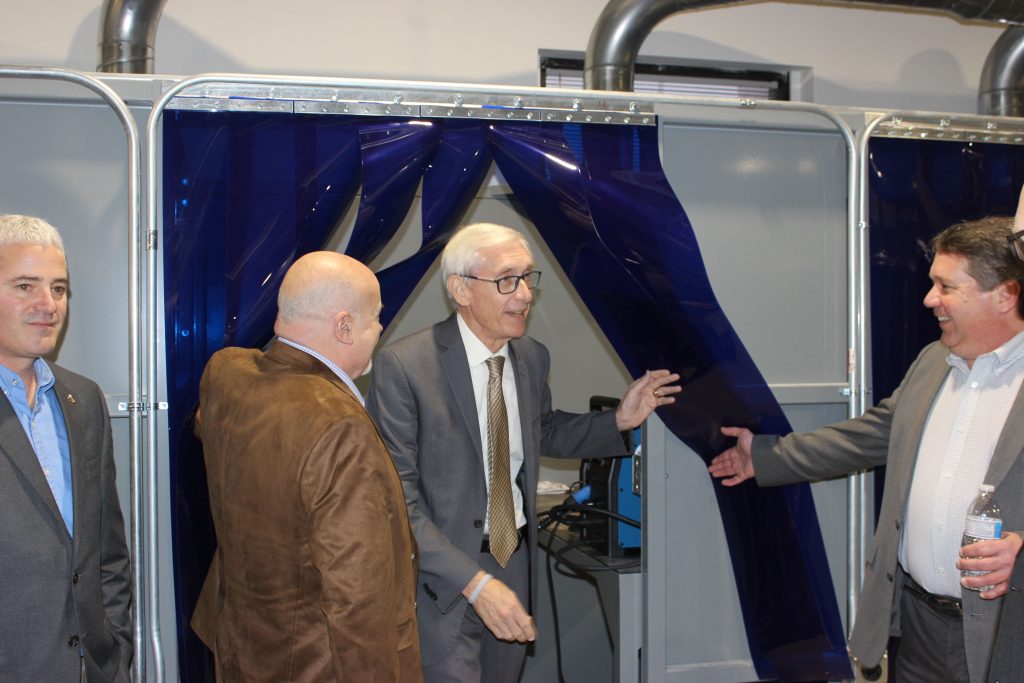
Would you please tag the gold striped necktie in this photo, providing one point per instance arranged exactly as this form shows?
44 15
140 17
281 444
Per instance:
501 518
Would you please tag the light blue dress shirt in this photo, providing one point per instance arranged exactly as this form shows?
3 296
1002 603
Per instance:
45 429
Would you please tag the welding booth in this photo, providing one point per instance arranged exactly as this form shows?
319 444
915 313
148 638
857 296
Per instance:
771 253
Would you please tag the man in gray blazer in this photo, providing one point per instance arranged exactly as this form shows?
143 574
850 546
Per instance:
64 591
465 409
956 421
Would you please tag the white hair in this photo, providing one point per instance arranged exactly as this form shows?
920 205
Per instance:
15 229
462 253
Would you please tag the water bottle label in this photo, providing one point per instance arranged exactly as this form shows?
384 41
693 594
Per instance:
983 527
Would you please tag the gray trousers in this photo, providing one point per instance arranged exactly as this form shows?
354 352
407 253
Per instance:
932 645
477 656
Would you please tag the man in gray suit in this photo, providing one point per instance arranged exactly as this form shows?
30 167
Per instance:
955 422
64 591
465 409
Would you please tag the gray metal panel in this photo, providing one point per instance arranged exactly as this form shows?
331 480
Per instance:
67 164
767 200
769 210
694 630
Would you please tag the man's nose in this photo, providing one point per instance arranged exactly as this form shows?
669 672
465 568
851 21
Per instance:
523 292
931 299
46 301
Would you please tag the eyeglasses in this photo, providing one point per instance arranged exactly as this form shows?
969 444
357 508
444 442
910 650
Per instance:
1016 241
510 283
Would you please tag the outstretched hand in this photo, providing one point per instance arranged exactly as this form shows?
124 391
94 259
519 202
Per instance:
734 463
652 390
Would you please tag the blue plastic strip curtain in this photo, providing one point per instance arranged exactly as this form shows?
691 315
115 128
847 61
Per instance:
449 183
245 194
600 199
916 189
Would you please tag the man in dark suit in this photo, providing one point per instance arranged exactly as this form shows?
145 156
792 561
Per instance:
65 589
956 421
465 409
315 571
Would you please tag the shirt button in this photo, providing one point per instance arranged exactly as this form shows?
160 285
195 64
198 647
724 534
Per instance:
974 385
413 557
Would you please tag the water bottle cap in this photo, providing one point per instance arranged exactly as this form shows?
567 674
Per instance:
986 488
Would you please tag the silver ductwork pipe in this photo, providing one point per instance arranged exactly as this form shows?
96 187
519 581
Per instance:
128 35
621 29
1001 88
624 25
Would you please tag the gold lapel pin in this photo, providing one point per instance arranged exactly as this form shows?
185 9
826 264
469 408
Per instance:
71 398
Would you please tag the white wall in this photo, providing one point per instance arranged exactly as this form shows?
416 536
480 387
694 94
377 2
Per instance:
861 57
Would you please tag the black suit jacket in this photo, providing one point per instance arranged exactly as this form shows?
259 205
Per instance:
62 595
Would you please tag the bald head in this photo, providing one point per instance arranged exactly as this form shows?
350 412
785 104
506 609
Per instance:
330 303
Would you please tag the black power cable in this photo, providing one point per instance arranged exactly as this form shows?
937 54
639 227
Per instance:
570 514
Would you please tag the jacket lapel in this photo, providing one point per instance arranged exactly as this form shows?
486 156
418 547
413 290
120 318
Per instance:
1010 444
16 447
455 366
79 458
531 441
523 387
924 388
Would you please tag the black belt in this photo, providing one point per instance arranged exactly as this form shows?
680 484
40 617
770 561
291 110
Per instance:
943 604
485 545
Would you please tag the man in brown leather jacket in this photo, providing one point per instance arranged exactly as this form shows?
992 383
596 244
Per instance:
314 577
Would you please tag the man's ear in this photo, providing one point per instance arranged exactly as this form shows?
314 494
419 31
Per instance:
1007 294
457 288
342 327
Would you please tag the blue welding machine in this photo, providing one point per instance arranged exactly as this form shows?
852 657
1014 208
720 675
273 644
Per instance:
615 487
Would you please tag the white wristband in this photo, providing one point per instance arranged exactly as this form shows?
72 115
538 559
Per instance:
479 587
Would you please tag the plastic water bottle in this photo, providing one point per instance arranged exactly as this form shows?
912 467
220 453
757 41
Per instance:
984 523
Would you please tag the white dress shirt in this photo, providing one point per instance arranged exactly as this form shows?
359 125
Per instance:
956 448
477 354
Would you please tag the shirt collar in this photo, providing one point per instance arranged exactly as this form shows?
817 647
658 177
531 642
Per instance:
342 375
476 352
44 376
1002 357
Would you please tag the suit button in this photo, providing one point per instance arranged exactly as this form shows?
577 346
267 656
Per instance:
73 641
478 523
888 575
897 524
74 578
